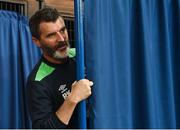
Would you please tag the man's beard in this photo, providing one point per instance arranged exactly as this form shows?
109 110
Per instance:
54 53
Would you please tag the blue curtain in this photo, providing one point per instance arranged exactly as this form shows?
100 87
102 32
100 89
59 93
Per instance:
133 56
17 57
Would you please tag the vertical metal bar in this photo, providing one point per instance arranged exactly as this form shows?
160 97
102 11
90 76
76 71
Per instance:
19 8
10 6
23 6
0 5
80 56
15 7
5 6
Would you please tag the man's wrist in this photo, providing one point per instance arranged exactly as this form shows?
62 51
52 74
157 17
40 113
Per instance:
71 99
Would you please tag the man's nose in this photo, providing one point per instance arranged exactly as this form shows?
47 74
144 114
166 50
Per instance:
61 37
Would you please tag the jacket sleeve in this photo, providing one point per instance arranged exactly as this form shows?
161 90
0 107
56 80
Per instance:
41 109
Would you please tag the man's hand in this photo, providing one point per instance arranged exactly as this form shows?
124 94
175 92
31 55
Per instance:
80 90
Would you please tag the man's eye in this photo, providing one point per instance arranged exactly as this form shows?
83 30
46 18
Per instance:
62 31
51 35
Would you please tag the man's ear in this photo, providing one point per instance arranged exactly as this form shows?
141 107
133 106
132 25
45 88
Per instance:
36 41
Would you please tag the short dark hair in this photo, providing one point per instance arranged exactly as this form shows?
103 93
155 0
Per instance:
43 15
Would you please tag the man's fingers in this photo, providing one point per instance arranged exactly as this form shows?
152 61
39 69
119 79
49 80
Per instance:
90 83
86 80
74 82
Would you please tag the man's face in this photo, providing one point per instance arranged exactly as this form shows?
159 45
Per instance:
54 39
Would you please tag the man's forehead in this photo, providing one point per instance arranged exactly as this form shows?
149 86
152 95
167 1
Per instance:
49 27
59 21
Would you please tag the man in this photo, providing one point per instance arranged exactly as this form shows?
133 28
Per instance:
53 91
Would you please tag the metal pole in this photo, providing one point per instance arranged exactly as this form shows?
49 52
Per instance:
40 3
78 4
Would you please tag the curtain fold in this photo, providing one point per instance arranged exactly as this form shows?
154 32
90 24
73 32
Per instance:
132 54
18 55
